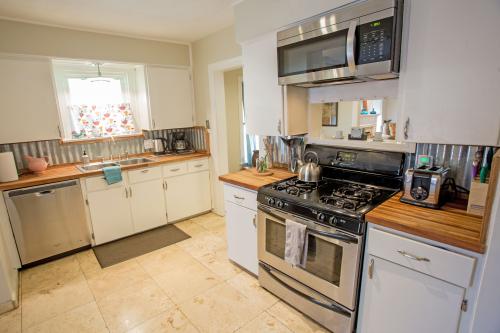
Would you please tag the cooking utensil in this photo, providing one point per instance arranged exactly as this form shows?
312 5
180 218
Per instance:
310 172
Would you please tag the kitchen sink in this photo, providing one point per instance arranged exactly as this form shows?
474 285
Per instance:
95 166
132 161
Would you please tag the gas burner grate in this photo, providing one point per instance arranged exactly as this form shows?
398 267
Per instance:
296 187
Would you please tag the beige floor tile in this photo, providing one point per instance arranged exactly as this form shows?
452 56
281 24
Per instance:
219 263
293 319
40 306
133 305
84 319
10 322
183 283
209 221
202 245
191 228
88 262
249 286
264 323
164 260
170 321
220 309
220 232
114 278
50 275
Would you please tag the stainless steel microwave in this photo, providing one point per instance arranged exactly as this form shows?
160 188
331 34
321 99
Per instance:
354 43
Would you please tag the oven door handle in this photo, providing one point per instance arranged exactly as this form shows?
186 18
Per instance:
329 306
341 237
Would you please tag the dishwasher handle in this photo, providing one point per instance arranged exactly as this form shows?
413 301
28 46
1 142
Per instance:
42 190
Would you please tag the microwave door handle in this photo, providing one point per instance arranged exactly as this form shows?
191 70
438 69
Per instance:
329 306
351 36
341 237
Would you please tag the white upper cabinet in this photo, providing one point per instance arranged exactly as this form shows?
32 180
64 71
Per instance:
170 98
29 108
451 77
270 108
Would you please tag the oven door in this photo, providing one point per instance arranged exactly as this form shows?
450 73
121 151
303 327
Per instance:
322 54
333 256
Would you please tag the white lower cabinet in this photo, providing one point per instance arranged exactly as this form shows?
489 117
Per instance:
241 225
110 213
147 204
405 287
188 193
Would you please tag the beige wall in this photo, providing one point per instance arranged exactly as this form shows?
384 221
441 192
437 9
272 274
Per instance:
32 39
233 117
216 47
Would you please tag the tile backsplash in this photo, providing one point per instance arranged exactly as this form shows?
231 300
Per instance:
58 153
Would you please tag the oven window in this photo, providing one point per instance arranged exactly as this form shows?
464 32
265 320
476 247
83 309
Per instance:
324 259
275 238
315 54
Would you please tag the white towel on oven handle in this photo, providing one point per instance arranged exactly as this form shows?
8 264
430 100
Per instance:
295 243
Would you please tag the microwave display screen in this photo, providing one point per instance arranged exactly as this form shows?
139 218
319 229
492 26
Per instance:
343 156
375 41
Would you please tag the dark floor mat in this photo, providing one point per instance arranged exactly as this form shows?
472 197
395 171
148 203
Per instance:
127 248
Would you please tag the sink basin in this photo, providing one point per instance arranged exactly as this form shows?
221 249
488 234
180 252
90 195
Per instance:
95 166
138 160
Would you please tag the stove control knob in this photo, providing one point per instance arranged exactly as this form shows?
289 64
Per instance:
332 220
321 217
279 204
271 201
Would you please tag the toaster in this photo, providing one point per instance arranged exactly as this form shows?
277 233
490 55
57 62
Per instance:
423 186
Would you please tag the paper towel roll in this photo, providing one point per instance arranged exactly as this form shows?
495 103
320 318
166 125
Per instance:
8 170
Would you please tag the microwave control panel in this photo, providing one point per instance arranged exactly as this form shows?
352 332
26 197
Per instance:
375 41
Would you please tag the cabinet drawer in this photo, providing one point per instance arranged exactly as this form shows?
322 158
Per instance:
198 165
240 196
141 175
99 184
443 264
175 169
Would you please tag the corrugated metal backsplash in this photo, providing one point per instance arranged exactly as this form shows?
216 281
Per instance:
58 153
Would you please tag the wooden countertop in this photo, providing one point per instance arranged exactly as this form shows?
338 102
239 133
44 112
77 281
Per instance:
447 225
69 171
246 178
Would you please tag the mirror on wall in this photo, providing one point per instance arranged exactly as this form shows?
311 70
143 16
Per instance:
373 116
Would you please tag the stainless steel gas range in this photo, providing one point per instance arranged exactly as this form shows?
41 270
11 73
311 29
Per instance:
352 183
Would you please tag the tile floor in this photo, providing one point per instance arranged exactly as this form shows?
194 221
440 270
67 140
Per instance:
187 287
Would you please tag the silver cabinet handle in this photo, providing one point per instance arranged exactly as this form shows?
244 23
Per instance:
407 128
145 171
165 186
413 257
254 221
370 268
198 165
279 126
174 170
126 192
237 197
351 35
130 191
59 131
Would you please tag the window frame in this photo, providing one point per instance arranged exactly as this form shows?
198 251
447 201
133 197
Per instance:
63 70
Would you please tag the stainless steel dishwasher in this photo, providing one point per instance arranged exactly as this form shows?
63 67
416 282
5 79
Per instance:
47 220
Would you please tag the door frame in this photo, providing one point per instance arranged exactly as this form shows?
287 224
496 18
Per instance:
218 127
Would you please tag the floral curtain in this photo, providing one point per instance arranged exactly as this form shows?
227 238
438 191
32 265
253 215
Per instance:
94 121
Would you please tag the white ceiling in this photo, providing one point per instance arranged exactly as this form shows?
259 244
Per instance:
178 20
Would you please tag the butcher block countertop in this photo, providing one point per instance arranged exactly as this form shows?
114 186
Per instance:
246 178
449 225
69 171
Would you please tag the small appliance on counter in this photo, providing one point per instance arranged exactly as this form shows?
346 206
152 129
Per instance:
160 146
423 186
180 145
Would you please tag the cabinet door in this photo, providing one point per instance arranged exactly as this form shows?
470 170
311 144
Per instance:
398 299
147 203
188 195
110 214
450 76
170 97
263 94
242 236
29 109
